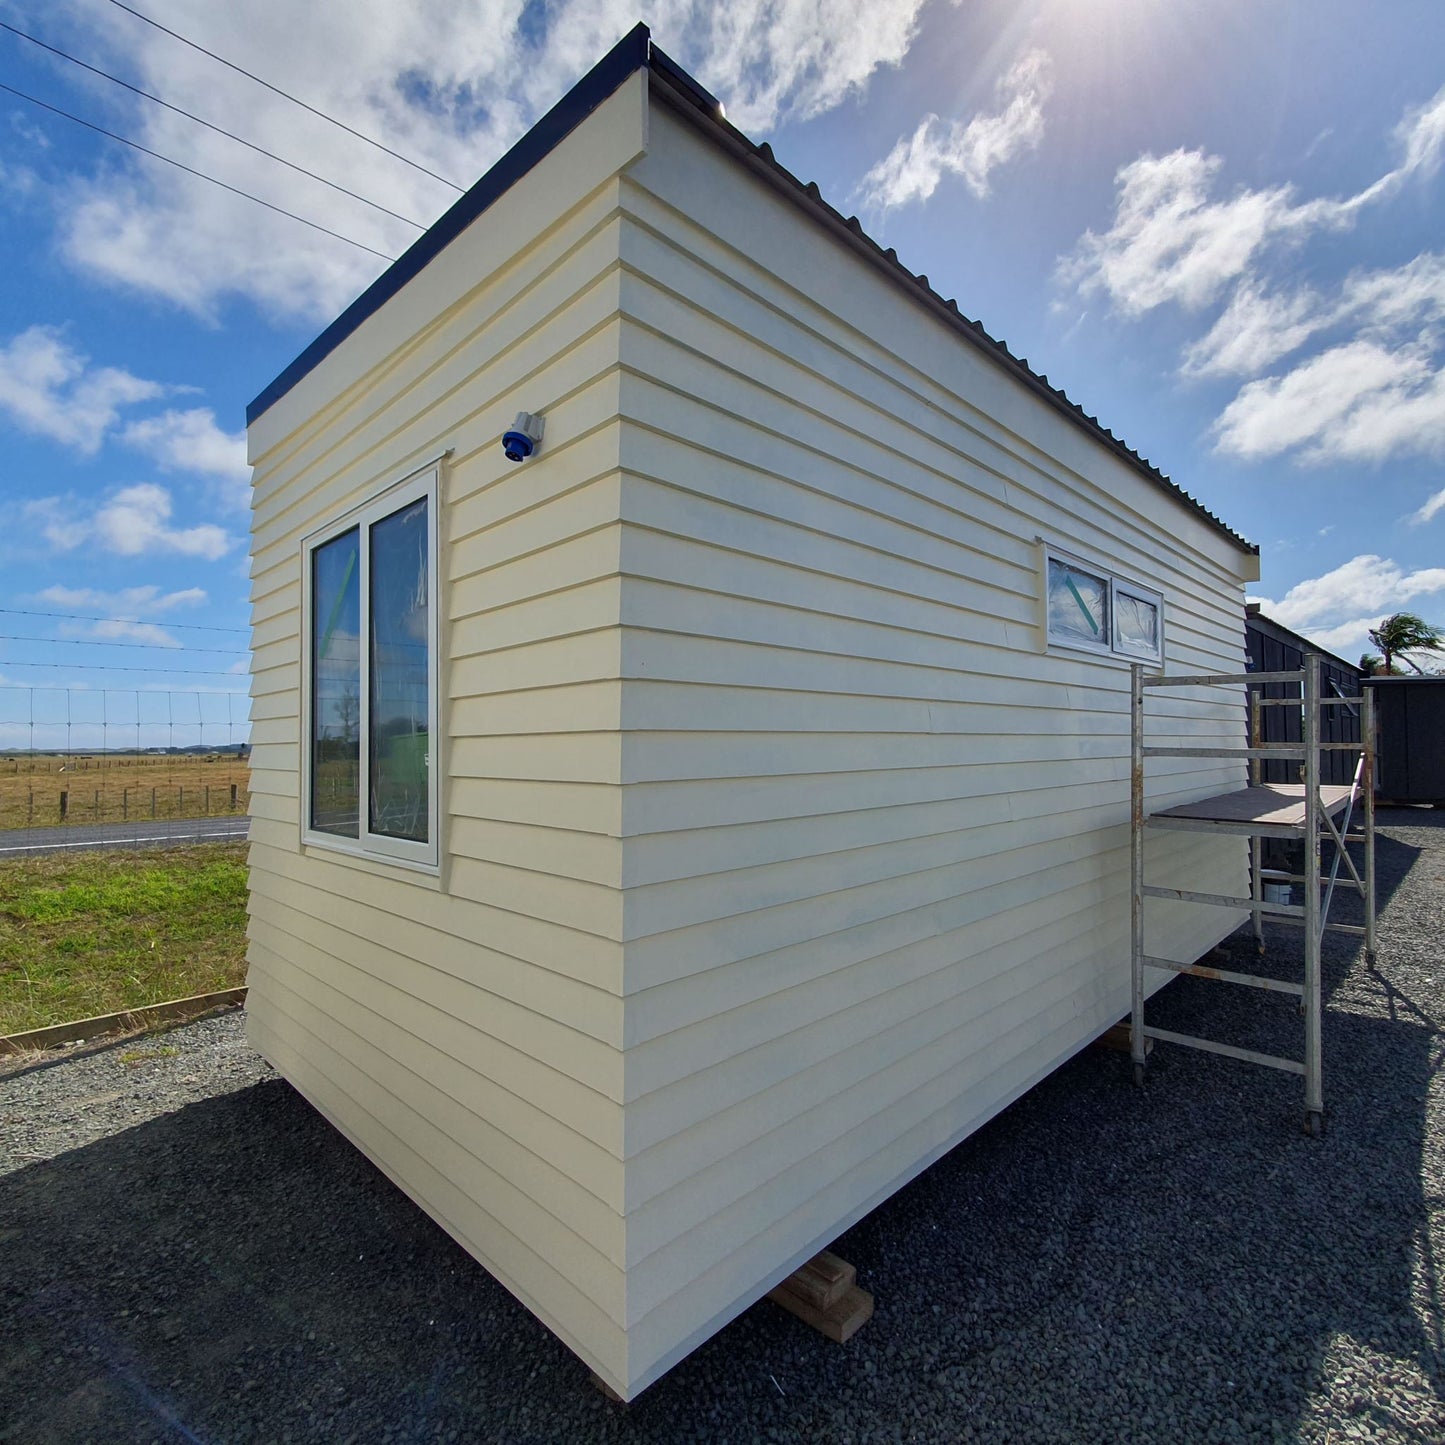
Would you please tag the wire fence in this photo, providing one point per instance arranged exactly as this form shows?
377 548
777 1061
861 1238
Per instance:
107 767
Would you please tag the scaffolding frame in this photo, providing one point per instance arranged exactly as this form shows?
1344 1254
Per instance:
1306 811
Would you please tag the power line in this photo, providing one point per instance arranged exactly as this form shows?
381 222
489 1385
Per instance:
219 130
107 642
286 94
112 667
235 190
123 692
80 617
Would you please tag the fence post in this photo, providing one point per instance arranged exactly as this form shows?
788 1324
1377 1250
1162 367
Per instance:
233 797
207 809
153 802
124 803
64 803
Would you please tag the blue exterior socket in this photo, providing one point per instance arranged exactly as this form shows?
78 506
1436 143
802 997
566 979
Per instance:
517 446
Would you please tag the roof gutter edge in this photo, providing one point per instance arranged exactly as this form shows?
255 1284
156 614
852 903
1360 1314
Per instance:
676 87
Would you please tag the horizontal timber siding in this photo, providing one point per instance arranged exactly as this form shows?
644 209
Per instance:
465 1029
875 843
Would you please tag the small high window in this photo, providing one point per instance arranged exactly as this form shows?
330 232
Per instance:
1093 610
370 679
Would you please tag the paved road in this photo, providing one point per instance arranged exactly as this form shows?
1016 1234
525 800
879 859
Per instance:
80 836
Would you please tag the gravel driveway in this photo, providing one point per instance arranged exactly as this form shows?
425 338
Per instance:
188 1252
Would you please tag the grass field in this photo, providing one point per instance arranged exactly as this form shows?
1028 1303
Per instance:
120 787
115 929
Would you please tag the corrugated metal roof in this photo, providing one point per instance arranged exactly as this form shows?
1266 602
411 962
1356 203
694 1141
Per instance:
636 52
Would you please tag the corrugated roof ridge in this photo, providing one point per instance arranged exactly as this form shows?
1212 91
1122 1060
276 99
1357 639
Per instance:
636 51
990 344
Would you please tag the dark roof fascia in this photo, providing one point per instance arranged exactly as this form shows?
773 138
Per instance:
674 85
628 55
1253 617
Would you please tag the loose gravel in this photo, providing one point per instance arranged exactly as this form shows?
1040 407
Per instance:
188 1252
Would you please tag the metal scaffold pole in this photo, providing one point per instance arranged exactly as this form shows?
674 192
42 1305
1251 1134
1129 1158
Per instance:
1370 738
1137 1044
1306 810
1314 1081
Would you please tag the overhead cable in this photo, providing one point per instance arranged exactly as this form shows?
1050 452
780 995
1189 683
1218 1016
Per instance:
113 667
286 94
112 642
219 130
190 170
81 617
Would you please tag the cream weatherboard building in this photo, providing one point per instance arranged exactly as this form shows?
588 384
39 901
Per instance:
666 846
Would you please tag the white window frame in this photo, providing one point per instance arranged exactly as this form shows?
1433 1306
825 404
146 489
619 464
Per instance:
379 847
1113 647
1133 652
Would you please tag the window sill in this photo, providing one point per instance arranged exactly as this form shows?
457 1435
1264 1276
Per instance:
377 864
1101 654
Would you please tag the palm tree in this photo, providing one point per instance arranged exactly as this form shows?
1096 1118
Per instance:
1370 664
1404 632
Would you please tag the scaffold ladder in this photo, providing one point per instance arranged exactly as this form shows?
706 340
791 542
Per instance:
1306 811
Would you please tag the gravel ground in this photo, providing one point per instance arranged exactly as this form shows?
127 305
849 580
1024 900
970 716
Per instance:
188 1252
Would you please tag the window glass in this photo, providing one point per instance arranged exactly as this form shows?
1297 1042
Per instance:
1078 605
399 742
336 685
1136 624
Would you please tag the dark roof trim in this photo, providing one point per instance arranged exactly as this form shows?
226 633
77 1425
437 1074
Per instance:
675 85
694 102
1266 626
629 55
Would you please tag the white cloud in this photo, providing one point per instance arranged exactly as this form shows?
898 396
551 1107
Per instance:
970 149
1338 609
152 634
1421 136
1395 305
449 82
139 600
1434 505
133 522
1171 240
190 441
49 389
1254 330
1360 401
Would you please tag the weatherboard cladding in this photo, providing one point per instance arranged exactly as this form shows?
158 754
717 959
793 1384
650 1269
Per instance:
778 852
636 52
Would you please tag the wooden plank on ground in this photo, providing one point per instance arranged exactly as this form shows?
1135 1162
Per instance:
127 1021
1115 1038
840 1321
821 1282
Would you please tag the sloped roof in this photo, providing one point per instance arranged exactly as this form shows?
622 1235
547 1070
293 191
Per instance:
637 52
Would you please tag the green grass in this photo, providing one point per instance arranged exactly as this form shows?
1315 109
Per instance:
101 932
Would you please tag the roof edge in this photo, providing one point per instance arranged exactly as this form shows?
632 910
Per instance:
691 100
630 54
1254 613
634 52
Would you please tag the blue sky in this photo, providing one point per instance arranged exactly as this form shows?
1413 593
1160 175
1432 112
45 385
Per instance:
1220 226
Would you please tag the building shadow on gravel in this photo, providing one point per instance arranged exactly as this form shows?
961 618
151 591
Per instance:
1098 1264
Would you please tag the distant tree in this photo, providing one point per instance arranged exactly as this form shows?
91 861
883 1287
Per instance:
1402 633
1370 664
